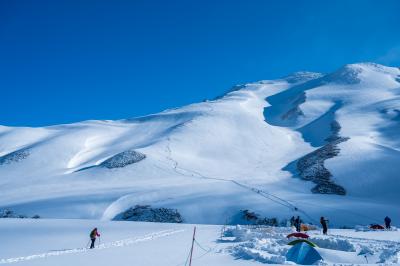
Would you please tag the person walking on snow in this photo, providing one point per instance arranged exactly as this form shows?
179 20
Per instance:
93 236
387 222
324 225
297 224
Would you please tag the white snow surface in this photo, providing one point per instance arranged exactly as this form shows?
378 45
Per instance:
212 159
64 242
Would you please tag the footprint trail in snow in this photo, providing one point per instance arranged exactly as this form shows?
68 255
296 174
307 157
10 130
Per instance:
118 243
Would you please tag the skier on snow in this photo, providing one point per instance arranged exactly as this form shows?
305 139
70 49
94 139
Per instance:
93 236
324 225
387 222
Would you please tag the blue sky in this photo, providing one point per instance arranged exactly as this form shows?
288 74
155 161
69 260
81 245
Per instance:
67 61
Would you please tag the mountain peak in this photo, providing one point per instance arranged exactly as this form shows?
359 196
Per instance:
365 66
351 73
302 76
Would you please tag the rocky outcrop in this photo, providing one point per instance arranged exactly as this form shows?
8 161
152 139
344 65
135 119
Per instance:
147 214
293 113
7 213
123 159
311 167
14 157
249 217
119 160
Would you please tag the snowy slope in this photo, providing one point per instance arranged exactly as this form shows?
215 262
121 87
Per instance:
313 144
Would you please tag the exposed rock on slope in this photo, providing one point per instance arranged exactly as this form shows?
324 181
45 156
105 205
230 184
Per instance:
7 213
249 217
147 214
15 156
119 160
311 167
123 159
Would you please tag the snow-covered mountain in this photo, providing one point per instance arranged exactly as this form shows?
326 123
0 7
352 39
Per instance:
308 144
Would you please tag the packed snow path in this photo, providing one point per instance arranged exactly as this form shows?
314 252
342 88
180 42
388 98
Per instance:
118 243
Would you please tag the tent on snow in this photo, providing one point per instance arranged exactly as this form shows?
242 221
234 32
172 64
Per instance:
303 253
307 227
377 227
299 235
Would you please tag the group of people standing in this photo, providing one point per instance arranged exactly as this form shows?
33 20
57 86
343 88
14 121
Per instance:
296 222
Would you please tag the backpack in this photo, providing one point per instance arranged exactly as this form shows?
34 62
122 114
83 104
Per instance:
93 234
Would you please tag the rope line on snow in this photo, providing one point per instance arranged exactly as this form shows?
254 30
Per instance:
207 251
200 246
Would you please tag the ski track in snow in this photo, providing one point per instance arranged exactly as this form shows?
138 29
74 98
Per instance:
262 193
118 243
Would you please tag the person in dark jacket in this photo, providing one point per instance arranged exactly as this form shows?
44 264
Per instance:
292 221
324 224
387 222
93 236
297 223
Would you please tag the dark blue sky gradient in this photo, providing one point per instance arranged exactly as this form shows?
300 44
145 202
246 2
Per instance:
67 61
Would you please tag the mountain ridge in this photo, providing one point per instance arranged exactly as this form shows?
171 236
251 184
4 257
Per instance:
225 150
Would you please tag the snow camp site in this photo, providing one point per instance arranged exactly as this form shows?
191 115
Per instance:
62 242
308 144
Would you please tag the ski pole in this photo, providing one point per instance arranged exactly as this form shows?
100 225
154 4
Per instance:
99 242
191 250
87 243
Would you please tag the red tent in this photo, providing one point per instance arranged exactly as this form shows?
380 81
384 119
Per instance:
299 235
377 227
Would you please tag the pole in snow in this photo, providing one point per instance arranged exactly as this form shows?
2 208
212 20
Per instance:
87 245
191 250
